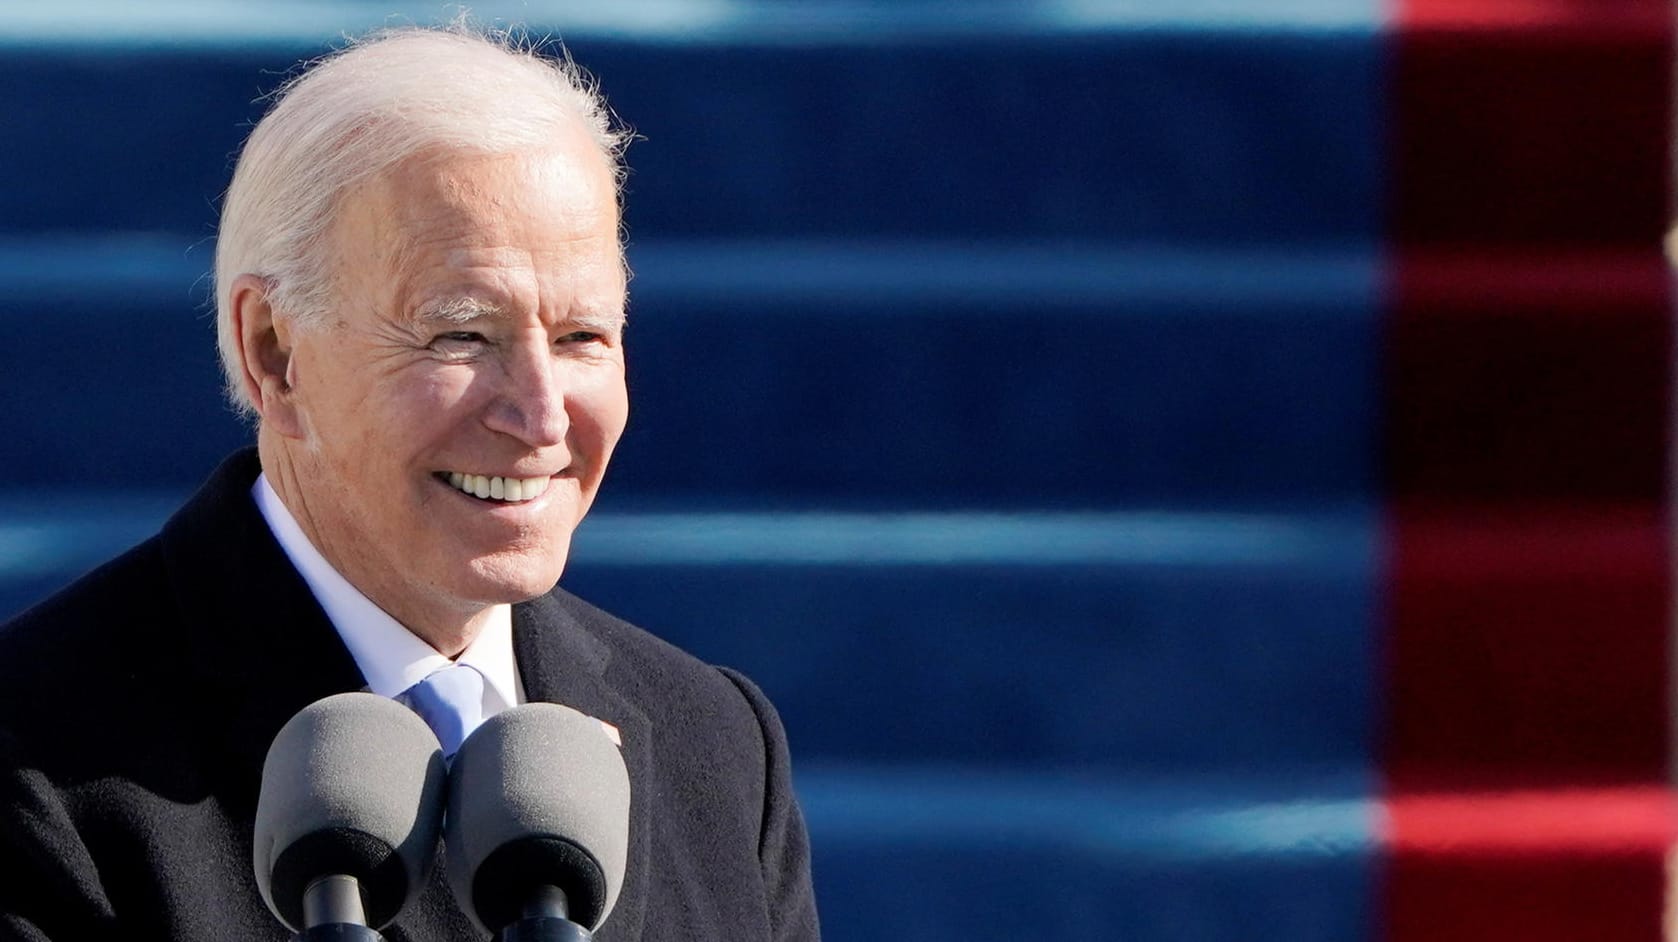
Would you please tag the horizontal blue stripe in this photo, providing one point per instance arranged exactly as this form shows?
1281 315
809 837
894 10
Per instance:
1120 280
753 22
996 855
106 266
886 278
935 539
74 536
1169 819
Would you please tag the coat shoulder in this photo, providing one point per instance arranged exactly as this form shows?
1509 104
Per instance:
663 678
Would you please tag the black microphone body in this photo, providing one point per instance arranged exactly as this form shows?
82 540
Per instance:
338 932
545 929
333 911
545 920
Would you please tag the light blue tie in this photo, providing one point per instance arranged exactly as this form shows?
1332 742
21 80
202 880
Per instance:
451 701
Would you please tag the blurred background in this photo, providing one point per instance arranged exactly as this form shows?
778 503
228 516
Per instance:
1189 471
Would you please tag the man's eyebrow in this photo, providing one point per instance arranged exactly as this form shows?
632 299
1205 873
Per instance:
466 309
458 310
602 321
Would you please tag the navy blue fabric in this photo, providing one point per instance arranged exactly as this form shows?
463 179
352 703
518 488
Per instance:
1201 135
1172 668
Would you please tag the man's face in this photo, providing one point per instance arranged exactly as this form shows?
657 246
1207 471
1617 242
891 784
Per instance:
479 336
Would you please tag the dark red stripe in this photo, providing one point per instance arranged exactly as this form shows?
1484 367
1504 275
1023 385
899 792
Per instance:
1530 124
1528 388
1527 647
1573 863
1515 376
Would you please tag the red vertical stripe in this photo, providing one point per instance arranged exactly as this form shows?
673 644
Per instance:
1528 384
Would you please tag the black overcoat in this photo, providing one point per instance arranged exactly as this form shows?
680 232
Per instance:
136 708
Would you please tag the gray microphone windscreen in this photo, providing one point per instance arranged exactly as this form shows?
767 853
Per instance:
538 796
353 784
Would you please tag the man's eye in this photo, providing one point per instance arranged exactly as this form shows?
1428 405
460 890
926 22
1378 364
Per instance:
457 343
456 339
581 336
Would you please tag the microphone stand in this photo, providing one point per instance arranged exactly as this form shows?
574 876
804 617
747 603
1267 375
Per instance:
545 919
333 912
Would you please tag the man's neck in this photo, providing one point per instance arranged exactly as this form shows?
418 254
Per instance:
449 632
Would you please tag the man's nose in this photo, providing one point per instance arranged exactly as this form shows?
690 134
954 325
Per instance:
530 403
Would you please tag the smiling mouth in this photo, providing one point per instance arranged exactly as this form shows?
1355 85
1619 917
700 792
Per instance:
495 488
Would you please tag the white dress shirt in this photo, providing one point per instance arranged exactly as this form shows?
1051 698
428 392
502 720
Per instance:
391 657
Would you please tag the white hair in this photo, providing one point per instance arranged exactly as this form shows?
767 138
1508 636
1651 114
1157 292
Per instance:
356 113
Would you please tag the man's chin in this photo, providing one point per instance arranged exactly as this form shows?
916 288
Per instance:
495 582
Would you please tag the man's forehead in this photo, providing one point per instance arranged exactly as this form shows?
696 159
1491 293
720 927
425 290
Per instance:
442 180
455 195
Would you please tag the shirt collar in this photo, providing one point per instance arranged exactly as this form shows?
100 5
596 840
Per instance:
391 657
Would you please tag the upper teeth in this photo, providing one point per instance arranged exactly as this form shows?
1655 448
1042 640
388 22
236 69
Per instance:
499 488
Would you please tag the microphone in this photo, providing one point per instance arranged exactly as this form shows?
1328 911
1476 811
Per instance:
537 831
347 819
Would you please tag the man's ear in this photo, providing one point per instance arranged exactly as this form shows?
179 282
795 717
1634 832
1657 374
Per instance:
265 355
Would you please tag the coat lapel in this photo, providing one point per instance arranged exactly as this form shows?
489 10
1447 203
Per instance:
561 661
256 640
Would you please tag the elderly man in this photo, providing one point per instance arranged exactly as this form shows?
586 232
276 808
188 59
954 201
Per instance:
421 293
